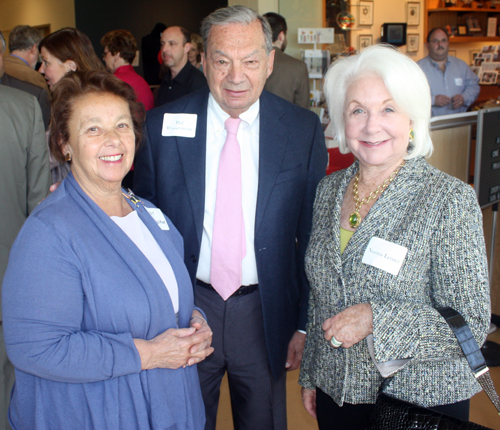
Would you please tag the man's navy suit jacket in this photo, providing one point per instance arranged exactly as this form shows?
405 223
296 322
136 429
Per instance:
170 172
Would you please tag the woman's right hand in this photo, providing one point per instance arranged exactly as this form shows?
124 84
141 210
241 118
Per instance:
309 401
171 349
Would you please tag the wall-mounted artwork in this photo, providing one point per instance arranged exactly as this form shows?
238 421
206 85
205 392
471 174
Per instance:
365 12
412 43
413 13
365 40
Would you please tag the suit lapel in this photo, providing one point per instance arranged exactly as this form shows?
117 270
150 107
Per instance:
273 139
192 153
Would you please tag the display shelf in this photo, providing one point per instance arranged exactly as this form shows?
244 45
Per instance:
472 39
436 15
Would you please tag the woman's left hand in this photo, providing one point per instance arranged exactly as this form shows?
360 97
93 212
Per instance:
200 324
351 325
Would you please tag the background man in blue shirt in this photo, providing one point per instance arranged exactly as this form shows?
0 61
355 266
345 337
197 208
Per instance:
454 87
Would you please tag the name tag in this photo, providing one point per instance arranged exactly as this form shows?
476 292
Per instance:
179 124
459 82
384 255
158 216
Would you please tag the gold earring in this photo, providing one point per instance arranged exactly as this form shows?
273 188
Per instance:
67 157
412 135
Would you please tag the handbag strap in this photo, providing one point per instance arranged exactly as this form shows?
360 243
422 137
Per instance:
471 351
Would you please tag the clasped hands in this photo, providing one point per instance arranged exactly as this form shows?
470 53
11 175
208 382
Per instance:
176 348
456 101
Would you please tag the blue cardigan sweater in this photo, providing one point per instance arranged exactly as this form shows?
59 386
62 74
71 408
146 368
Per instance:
76 292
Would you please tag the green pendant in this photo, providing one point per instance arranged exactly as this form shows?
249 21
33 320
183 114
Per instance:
355 219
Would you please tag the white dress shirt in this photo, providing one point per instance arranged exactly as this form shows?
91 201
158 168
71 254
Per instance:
248 139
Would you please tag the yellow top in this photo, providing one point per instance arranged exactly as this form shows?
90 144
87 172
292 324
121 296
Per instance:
345 236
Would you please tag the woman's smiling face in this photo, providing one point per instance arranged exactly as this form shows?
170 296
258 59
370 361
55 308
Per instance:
376 130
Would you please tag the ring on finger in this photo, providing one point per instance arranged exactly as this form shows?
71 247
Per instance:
335 343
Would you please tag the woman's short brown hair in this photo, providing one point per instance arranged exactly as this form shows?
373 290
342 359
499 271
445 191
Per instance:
71 44
121 41
79 84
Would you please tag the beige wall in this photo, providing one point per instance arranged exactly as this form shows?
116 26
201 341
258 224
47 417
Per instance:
57 13
261 6
298 13
389 11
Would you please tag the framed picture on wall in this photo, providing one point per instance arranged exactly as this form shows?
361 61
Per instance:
412 43
365 40
413 13
365 12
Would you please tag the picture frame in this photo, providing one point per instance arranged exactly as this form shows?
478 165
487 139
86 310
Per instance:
413 13
488 77
473 25
493 66
365 12
473 53
476 70
478 62
487 57
365 40
462 30
412 42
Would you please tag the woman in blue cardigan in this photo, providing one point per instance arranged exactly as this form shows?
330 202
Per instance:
99 318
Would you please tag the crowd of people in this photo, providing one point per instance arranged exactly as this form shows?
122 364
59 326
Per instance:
230 253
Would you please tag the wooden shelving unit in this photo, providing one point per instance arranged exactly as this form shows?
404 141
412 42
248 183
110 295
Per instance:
436 15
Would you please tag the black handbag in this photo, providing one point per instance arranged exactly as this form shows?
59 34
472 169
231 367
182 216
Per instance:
393 414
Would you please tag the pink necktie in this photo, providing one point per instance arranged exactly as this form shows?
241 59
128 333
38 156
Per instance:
228 236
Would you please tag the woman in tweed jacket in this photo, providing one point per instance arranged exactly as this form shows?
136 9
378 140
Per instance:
419 245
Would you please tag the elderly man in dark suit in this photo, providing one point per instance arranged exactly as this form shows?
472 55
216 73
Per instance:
236 169
290 78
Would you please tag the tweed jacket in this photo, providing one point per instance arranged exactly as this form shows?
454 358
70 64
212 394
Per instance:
437 218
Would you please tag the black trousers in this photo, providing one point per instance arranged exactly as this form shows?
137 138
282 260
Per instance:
258 401
357 417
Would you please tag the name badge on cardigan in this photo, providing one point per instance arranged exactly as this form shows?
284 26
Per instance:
384 255
179 124
158 216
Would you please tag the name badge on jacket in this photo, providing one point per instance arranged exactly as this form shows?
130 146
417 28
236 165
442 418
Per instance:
459 82
158 216
384 255
179 124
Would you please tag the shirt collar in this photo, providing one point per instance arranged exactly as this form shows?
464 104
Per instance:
219 115
21 58
181 77
436 64
123 69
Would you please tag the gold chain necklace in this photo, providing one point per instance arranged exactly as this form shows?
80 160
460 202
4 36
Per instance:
355 217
